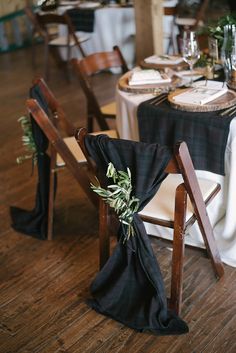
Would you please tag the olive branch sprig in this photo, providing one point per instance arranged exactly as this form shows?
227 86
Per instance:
28 141
118 196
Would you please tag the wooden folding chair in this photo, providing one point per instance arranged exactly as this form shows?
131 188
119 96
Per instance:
190 24
64 131
68 41
180 201
89 66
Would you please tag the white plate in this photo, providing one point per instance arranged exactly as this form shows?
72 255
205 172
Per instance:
69 3
89 5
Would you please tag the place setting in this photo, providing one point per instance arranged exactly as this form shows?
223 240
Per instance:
203 95
166 77
161 73
154 81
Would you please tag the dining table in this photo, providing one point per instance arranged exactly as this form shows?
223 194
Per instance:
222 210
112 25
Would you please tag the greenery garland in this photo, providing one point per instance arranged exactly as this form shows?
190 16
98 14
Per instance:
118 196
28 141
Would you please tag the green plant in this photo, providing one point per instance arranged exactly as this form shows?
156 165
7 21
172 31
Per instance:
118 196
217 30
27 140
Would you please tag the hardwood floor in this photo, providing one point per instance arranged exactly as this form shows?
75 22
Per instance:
44 285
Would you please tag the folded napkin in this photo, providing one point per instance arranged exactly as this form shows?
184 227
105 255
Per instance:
201 93
89 5
142 77
69 3
164 60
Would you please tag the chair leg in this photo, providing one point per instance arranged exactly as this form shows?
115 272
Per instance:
104 240
51 204
210 243
51 192
178 249
90 122
46 62
199 206
33 51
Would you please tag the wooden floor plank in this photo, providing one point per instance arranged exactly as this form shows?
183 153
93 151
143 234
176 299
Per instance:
44 285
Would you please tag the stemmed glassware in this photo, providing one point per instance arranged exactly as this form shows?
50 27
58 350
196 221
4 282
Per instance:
190 51
228 55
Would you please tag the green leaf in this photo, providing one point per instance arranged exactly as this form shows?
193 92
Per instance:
27 141
118 196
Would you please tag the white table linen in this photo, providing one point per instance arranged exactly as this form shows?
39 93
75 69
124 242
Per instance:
222 210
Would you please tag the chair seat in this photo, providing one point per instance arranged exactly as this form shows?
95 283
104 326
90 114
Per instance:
62 40
162 204
109 108
75 149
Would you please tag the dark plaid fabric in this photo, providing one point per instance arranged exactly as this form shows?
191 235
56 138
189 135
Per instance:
130 288
34 222
206 134
82 19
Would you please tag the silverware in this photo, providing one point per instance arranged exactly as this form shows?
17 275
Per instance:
232 112
159 99
228 111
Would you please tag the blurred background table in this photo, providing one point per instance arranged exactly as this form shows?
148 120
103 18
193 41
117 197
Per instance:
112 26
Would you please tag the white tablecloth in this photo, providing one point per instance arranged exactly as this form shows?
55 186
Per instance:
222 210
112 26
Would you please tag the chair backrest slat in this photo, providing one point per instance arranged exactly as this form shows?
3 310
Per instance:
94 64
55 107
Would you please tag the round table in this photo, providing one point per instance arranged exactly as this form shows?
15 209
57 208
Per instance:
221 211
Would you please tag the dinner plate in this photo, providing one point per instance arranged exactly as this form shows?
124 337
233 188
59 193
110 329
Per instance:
123 85
69 3
89 5
179 66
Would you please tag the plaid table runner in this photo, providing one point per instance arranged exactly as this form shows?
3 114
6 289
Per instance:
206 134
82 19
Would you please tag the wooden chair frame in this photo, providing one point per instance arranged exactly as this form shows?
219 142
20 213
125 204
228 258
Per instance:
200 15
58 113
57 145
180 163
91 65
59 120
47 19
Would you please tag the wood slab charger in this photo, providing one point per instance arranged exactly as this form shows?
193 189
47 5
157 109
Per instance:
225 101
177 67
123 85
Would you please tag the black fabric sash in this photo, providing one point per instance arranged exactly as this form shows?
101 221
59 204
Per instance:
130 288
82 19
206 134
34 222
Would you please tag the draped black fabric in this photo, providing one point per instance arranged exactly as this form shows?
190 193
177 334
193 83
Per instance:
34 222
206 133
82 19
130 288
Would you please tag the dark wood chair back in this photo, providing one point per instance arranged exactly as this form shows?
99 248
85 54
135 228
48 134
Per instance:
91 65
58 114
46 21
197 21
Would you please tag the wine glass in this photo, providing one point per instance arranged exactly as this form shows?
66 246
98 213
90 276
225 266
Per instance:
190 51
